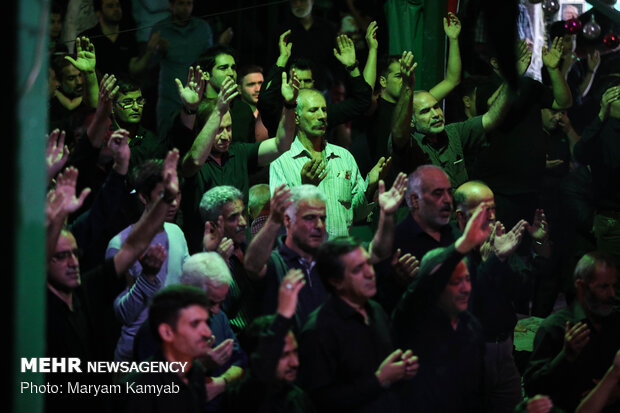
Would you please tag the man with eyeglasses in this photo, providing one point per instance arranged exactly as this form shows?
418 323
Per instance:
127 114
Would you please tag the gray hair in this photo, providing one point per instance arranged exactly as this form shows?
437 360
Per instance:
213 201
258 196
587 265
206 267
415 180
303 193
301 98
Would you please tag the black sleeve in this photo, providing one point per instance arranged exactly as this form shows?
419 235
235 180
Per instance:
355 105
270 100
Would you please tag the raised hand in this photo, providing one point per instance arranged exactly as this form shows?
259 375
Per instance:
405 267
85 60
225 248
371 36
452 26
213 235
226 36
379 171
539 404
611 95
313 172
290 89
407 69
477 229
66 183
389 201
119 146
152 260
218 356
575 339
191 93
593 61
228 92
107 92
280 200
285 49
505 243
288 292
524 57
345 52
56 153
539 228
170 175
551 57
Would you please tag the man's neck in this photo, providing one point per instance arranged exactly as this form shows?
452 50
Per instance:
307 21
289 242
181 23
132 128
110 30
358 306
314 144
385 96
211 93
65 296
172 356
435 233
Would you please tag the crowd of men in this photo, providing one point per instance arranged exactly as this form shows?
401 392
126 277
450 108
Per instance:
207 217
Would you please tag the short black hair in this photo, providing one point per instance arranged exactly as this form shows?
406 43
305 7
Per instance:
126 84
384 64
301 63
247 69
146 176
207 60
168 302
259 327
328 263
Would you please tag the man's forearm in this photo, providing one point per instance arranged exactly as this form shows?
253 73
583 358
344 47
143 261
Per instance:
401 120
286 130
91 89
497 110
201 148
259 250
561 92
370 69
453 72
381 244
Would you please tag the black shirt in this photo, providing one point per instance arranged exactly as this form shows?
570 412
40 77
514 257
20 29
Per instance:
112 57
339 354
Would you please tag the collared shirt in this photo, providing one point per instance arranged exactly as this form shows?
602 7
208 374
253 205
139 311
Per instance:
344 187
339 353
456 148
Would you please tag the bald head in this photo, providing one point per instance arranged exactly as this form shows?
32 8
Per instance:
468 196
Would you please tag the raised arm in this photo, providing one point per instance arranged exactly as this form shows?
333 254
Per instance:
270 149
191 95
604 391
403 113
259 250
452 28
101 121
562 98
56 153
138 64
370 69
498 109
201 148
148 226
85 62
389 201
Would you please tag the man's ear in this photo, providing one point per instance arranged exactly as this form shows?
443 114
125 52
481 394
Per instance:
579 285
467 101
142 199
165 332
494 63
382 81
414 200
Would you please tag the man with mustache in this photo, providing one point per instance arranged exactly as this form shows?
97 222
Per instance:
313 160
432 319
574 347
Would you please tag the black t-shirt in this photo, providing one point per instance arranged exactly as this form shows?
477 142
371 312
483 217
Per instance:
515 159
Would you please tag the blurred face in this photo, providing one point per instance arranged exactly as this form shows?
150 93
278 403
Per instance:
52 82
305 78
128 107
192 336
312 118
181 9
156 194
72 82
224 135
55 25
250 87
427 114
301 8
308 230
111 12
217 295
63 270
455 297
234 221
600 292
550 118
434 206
224 67
289 361
359 283
474 198
392 83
